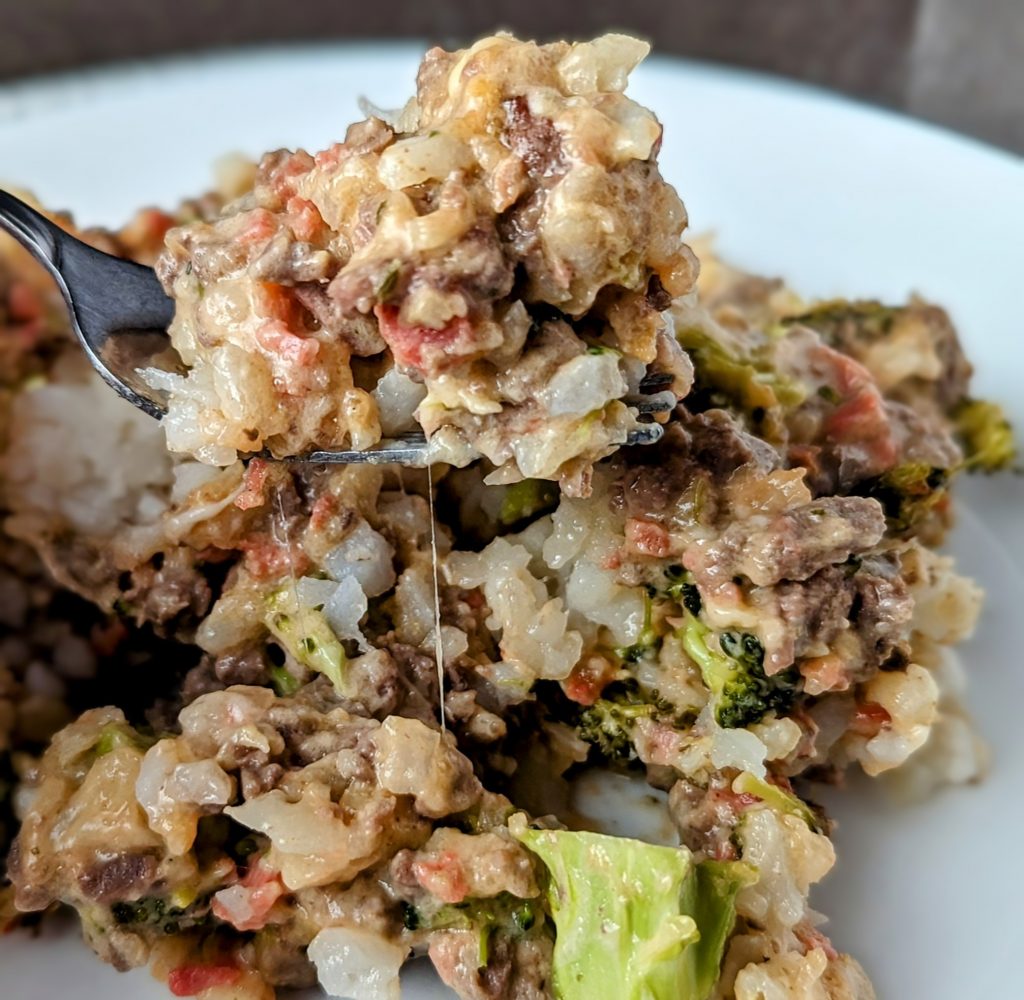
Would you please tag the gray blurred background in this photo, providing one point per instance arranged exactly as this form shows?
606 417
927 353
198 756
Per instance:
956 62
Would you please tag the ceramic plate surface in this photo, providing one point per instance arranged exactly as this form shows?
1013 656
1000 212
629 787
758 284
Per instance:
838 198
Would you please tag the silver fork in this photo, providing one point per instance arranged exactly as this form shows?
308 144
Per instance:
120 314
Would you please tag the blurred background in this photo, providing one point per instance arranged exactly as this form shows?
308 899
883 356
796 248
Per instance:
956 62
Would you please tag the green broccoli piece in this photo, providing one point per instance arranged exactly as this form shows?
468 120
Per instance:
158 914
775 797
304 632
908 493
634 921
734 672
503 913
283 681
842 322
682 589
528 499
608 723
751 384
647 641
985 435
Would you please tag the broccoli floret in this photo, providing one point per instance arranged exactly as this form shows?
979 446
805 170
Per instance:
681 588
608 723
908 493
985 435
842 322
158 914
504 913
734 672
750 384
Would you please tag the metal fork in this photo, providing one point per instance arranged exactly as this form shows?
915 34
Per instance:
120 314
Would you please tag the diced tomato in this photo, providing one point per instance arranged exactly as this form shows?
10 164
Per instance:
105 637
332 155
253 485
260 226
588 679
869 719
304 218
811 938
247 905
860 418
474 598
825 673
275 301
23 302
267 559
442 876
423 348
275 338
613 560
734 801
323 510
155 224
647 538
190 980
286 171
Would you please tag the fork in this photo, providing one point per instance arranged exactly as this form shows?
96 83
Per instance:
120 314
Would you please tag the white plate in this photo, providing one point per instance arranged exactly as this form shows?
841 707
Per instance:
839 198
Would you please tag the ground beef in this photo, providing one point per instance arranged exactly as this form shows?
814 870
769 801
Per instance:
515 970
793 545
286 262
359 332
200 680
177 588
710 445
418 678
476 266
533 139
705 816
120 877
247 665
260 778
814 611
718 443
882 611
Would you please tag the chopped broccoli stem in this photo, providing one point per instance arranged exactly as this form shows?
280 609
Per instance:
306 635
116 735
985 434
647 641
284 682
527 499
775 797
734 673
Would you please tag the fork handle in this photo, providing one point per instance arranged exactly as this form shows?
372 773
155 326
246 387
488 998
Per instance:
30 228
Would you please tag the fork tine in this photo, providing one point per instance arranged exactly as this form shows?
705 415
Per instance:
412 449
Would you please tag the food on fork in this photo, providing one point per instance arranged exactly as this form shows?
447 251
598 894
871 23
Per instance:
364 699
491 264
